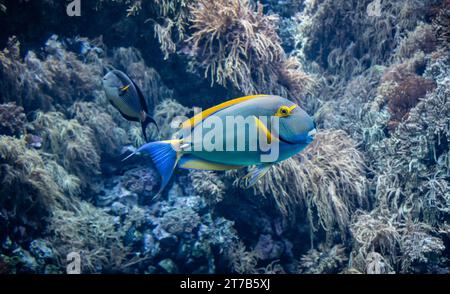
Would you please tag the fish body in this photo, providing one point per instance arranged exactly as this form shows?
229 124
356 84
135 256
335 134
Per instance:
241 132
123 93
261 106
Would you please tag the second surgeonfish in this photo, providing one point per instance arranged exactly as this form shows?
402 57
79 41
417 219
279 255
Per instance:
127 98
280 122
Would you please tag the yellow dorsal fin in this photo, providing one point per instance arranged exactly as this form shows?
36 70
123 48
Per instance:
204 114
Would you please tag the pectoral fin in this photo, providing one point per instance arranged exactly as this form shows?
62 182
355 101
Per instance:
252 177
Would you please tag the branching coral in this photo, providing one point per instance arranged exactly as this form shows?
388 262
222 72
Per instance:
383 244
242 261
209 185
175 17
12 119
230 40
323 261
327 178
419 246
376 241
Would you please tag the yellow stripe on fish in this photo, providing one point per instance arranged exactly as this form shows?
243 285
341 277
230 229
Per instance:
262 128
196 119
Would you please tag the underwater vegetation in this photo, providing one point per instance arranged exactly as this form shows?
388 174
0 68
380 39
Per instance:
371 193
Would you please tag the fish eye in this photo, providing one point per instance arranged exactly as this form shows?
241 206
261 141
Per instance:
283 111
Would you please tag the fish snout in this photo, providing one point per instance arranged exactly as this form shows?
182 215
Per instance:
311 134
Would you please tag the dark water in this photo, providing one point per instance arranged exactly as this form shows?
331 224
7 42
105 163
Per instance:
370 194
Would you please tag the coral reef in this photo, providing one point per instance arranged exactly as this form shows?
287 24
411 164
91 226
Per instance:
369 195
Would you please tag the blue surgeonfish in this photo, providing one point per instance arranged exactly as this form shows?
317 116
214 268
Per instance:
259 130
127 98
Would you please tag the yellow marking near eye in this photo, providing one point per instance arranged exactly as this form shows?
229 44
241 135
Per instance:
284 110
125 88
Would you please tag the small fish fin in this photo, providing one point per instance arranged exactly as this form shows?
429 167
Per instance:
165 156
252 177
193 162
148 120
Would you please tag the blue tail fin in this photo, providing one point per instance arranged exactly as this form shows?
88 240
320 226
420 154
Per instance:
164 157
